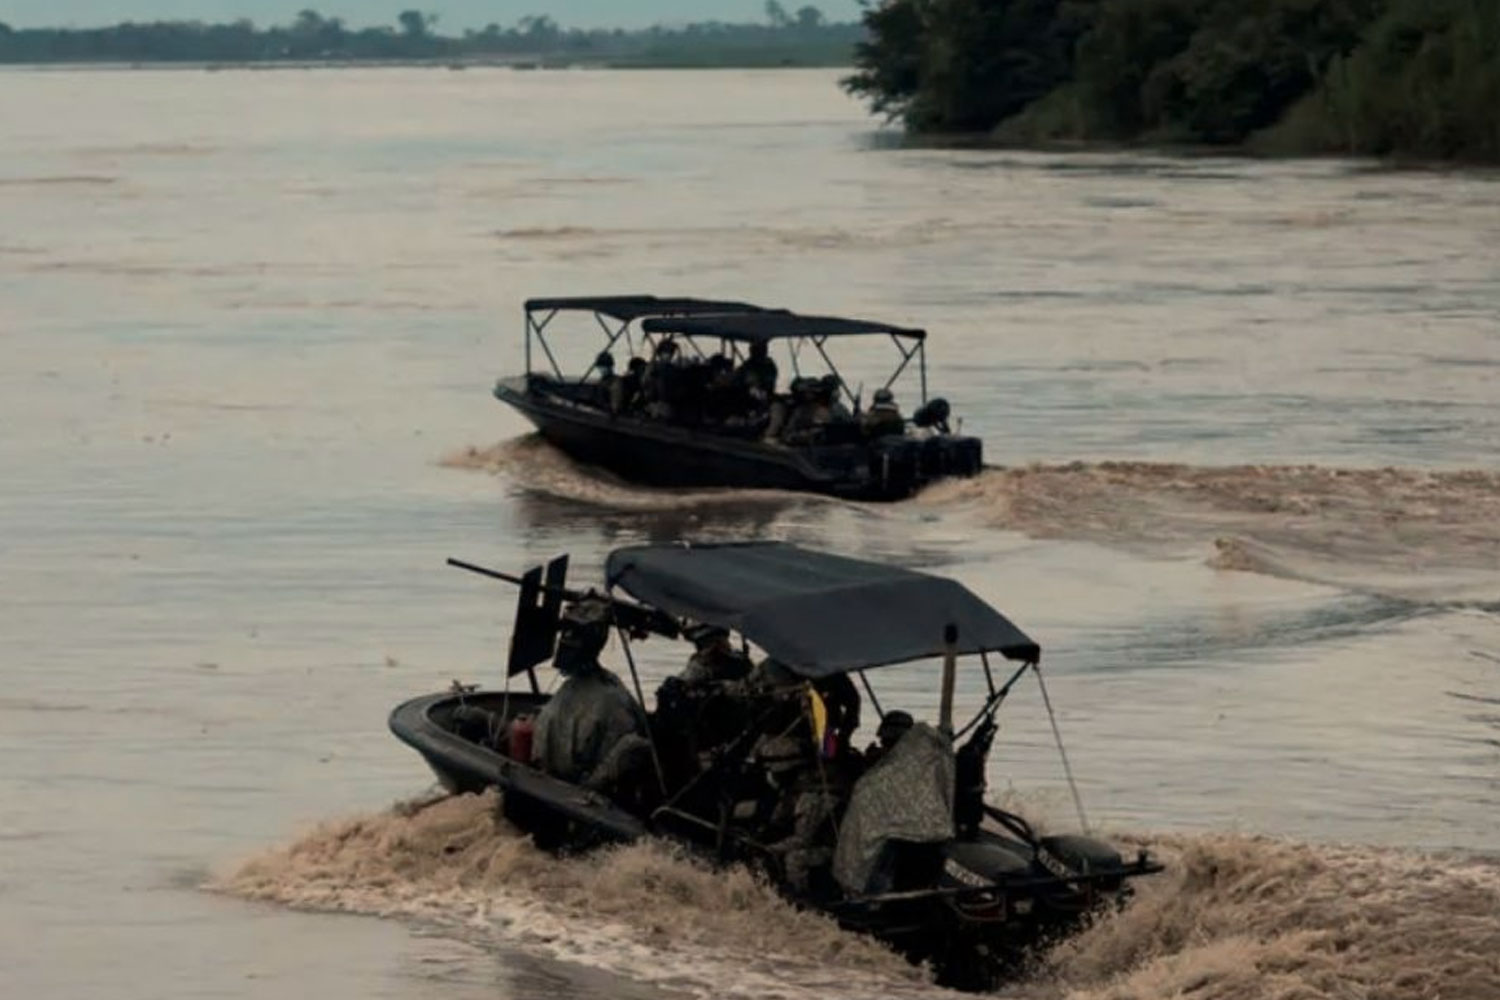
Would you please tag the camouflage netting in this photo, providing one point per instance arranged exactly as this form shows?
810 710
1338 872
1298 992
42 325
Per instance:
906 796
582 723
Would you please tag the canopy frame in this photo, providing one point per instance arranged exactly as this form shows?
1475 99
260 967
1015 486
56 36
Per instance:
660 318
625 309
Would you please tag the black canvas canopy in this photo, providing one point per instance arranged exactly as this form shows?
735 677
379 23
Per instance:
632 307
820 614
772 325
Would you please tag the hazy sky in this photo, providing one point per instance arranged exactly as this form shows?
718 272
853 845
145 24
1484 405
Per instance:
453 14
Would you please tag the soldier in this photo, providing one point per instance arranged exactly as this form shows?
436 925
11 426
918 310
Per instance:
720 394
699 708
604 364
800 414
893 726
713 659
625 391
883 417
661 383
591 732
757 375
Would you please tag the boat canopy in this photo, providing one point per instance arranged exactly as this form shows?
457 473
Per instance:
767 325
631 307
819 614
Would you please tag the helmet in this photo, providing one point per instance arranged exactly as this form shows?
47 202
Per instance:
704 634
893 725
582 629
884 396
605 361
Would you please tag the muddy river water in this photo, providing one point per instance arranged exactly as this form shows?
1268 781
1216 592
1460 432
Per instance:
1247 497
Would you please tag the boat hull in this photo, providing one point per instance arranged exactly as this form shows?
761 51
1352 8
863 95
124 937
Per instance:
466 762
974 942
660 454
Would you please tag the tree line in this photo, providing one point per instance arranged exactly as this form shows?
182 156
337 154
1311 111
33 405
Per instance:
1406 77
787 37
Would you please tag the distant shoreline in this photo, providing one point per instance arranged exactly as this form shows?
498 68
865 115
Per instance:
801 40
453 65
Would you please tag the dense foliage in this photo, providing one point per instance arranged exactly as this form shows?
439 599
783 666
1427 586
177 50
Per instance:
803 37
1418 77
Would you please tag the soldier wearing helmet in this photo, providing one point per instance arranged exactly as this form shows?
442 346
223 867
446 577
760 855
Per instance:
591 731
757 375
713 659
883 417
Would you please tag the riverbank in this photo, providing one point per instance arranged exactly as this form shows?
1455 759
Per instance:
1405 78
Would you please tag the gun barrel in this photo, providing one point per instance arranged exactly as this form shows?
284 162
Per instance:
484 571
630 615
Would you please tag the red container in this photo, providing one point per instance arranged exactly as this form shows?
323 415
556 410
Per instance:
518 746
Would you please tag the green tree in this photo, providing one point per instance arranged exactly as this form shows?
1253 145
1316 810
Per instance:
888 62
540 30
965 65
415 24
809 18
1425 82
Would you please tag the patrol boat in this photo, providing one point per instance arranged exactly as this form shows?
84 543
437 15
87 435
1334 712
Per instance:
896 841
689 420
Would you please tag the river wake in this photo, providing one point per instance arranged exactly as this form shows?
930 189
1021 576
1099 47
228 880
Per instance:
1409 534
1404 533
645 911
535 466
1233 918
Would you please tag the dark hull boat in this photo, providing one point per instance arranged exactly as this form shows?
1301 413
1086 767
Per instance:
644 441
970 895
658 453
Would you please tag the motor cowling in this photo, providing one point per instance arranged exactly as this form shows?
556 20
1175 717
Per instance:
1071 854
978 863
933 414
1083 855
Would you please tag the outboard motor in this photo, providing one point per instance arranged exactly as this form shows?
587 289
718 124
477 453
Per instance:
933 415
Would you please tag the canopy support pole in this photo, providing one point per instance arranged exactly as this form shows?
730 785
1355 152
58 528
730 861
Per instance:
661 777
989 677
950 675
609 345
1083 820
995 700
906 356
528 341
818 343
541 338
871 692
922 365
